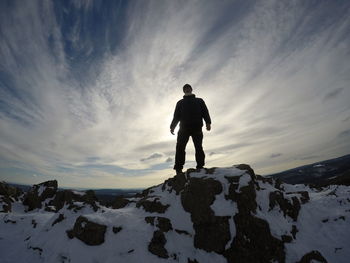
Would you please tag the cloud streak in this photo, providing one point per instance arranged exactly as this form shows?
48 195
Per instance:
88 89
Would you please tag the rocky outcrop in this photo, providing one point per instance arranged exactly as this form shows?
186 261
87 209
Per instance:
120 202
162 223
253 241
211 232
156 246
154 206
39 193
217 214
69 197
90 233
8 194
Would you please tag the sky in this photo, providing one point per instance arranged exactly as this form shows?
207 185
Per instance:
88 88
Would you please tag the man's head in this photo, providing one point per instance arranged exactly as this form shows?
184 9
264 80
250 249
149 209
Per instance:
187 89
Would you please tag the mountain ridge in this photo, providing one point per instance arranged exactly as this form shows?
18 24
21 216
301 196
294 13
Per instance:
212 215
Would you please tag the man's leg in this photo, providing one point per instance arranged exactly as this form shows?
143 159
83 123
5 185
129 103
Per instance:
197 138
182 139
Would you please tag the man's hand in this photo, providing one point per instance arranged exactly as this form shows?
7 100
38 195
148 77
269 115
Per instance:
172 131
208 127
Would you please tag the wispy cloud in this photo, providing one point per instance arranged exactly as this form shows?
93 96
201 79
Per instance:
88 88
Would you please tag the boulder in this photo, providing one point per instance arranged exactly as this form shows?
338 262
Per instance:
156 246
90 233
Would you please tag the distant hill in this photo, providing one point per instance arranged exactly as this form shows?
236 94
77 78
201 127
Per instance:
333 171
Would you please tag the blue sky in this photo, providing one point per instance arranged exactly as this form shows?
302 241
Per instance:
88 88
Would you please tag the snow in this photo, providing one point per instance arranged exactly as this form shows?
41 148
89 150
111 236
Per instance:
323 224
78 193
41 190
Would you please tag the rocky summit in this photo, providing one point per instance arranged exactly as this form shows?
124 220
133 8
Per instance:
211 215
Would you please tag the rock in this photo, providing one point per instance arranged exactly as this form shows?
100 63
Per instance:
117 229
211 232
68 197
162 223
58 219
247 168
90 233
182 232
313 257
6 204
177 183
10 191
253 241
152 206
39 193
289 208
7 196
120 202
37 249
156 246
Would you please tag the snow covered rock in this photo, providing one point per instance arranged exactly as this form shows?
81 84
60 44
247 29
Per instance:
8 195
39 193
73 199
90 233
212 215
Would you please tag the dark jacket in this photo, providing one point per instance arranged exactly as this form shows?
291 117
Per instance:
190 112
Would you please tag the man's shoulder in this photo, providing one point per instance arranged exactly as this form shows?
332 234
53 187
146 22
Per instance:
200 99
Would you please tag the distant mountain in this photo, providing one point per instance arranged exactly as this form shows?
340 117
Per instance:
212 215
333 171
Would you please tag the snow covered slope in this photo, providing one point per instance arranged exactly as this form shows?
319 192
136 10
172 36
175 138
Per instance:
213 215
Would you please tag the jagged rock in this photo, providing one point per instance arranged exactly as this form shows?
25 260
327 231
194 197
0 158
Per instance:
10 221
7 195
247 168
6 204
313 256
10 191
120 202
162 223
156 246
39 193
253 241
58 219
182 232
289 208
69 197
152 206
177 183
117 229
294 231
211 232
90 233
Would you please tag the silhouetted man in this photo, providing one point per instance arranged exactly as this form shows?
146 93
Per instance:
190 112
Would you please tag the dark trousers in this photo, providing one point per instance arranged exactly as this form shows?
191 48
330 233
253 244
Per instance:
182 138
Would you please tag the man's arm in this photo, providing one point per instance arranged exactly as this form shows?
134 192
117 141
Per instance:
206 116
176 118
